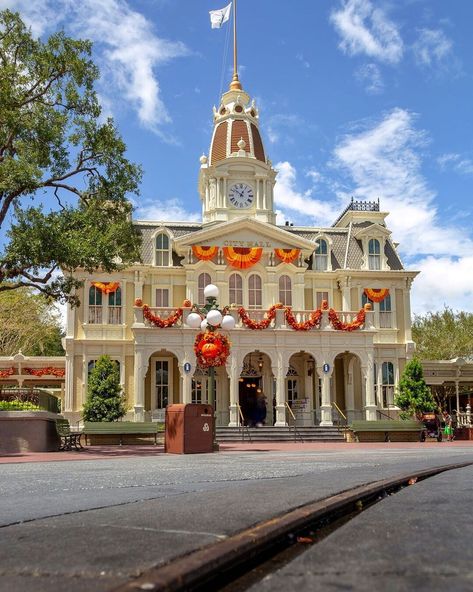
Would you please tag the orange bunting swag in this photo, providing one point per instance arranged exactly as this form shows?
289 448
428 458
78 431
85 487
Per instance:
49 371
312 321
287 255
204 253
6 372
242 257
264 324
107 287
376 295
211 349
157 321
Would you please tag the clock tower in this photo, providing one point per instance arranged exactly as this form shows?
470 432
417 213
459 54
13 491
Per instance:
236 179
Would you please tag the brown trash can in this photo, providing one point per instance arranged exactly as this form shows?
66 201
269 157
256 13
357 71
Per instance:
189 428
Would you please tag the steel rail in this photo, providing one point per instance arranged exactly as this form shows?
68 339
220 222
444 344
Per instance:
207 566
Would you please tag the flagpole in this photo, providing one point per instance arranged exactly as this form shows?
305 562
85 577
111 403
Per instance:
235 85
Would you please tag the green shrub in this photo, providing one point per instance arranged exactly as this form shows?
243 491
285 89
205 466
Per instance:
105 400
17 405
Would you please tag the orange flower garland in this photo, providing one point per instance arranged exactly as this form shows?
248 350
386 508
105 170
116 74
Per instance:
287 255
204 253
49 371
341 326
376 295
242 257
312 321
158 321
211 349
108 287
264 324
6 372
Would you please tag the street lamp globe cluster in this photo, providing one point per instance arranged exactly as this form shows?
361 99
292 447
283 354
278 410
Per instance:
213 317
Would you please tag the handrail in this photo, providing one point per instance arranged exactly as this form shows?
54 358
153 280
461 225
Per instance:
242 425
385 414
339 411
296 431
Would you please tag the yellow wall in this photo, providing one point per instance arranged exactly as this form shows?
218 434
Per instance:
337 300
309 299
400 316
78 384
179 295
355 303
129 380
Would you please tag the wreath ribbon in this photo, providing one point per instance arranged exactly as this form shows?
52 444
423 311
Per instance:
375 294
106 287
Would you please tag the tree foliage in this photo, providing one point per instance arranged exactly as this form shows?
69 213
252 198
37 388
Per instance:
443 335
413 396
55 149
30 322
105 401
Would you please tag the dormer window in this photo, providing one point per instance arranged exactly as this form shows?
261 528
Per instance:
321 255
374 254
162 250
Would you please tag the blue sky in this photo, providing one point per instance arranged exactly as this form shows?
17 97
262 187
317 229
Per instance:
357 97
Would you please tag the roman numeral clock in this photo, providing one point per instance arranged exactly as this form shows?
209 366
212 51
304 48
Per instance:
240 195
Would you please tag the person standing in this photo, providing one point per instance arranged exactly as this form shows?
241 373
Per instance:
448 431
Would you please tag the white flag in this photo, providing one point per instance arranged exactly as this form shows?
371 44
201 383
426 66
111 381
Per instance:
218 17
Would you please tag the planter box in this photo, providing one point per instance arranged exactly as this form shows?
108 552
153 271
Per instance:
28 431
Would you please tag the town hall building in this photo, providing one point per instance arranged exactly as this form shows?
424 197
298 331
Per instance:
322 315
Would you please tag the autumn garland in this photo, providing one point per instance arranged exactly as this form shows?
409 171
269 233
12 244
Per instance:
264 324
49 371
222 344
6 372
312 321
158 321
341 326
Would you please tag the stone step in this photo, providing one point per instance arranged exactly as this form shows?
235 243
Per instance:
280 434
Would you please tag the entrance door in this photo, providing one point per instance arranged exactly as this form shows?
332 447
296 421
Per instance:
252 402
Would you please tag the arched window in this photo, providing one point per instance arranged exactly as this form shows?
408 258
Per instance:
235 285
254 291
95 306
374 254
115 307
387 373
285 290
204 280
321 255
162 250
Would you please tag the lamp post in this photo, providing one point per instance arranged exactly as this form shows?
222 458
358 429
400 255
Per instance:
209 318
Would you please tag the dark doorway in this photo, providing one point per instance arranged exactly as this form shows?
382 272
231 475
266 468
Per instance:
252 402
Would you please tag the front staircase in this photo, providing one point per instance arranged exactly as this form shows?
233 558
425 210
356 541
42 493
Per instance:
281 434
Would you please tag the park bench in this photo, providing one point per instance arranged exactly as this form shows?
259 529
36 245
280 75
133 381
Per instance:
386 431
67 438
121 429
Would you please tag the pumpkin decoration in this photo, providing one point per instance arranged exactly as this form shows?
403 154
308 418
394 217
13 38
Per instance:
211 349
187 303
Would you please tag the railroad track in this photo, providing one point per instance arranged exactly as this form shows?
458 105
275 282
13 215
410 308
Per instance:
231 564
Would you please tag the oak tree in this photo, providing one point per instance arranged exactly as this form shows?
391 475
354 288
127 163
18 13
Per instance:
64 175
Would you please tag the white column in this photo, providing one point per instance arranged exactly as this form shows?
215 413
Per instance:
370 400
186 378
346 294
140 369
326 406
69 396
457 395
280 372
235 370
350 391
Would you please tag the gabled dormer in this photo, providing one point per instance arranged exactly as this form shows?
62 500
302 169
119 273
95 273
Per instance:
373 239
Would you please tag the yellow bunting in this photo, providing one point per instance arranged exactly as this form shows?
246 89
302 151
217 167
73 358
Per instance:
242 257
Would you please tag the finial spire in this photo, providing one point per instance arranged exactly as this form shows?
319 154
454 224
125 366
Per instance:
235 83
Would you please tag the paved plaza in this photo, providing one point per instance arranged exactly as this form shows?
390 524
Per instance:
92 520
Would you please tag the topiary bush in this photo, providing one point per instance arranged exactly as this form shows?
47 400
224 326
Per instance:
17 405
105 400
413 396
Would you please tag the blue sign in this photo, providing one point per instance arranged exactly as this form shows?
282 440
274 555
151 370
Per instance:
187 367
326 367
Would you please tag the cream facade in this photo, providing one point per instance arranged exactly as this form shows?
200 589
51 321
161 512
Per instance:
317 374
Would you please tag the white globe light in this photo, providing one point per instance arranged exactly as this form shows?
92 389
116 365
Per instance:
228 323
214 318
211 291
193 320
203 325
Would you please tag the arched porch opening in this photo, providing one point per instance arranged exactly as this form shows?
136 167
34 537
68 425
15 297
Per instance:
256 390
201 391
347 386
302 389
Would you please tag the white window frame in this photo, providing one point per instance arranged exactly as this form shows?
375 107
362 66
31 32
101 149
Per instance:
200 289
105 312
155 410
375 262
163 292
256 291
162 251
285 293
386 389
321 261
233 300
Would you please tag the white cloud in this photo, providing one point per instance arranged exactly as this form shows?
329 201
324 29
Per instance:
171 210
300 57
370 76
383 161
456 162
365 29
126 48
433 48
304 209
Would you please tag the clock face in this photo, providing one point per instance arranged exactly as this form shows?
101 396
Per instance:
241 195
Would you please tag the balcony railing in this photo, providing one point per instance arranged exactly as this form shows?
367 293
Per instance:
279 322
